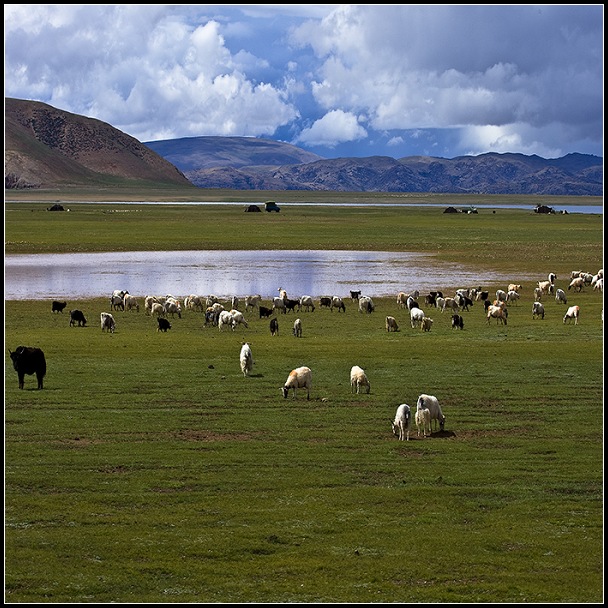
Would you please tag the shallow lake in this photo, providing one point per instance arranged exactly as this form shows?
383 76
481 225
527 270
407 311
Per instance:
67 276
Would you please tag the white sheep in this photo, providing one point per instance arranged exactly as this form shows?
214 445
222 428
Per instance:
238 318
297 328
246 359
423 419
359 380
300 377
432 404
572 313
577 284
401 424
306 302
416 316
366 304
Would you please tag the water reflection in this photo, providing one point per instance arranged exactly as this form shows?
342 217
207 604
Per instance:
227 273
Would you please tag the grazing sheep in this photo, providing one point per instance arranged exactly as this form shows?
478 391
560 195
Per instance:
426 324
58 306
577 284
354 295
130 302
416 316
457 322
552 277
401 424
512 296
391 324
265 312
402 299
224 319
538 310
238 318
560 296
358 380
306 302
497 312
337 302
246 359
572 313
252 302
501 295
546 287
432 404
107 322
449 303
163 324
279 304
538 294
514 287
423 419
274 327
297 328
411 302
366 304
300 377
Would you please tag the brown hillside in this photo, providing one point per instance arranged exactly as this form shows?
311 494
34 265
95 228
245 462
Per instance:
47 147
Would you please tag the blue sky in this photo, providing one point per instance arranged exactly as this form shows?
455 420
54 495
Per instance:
338 80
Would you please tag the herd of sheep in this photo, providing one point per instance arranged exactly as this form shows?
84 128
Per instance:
427 407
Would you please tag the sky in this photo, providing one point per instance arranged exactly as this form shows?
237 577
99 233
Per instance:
337 80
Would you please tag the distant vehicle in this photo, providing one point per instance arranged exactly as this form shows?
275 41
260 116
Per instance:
272 206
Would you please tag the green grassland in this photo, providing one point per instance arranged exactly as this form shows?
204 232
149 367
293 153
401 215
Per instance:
149 469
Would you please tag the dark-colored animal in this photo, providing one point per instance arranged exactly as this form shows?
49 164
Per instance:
292 305
29 360
457 322
325 302
274 327
58 306
354 295
163 324
265 312
77 318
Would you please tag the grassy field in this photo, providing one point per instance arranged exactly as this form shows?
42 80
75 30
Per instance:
150 470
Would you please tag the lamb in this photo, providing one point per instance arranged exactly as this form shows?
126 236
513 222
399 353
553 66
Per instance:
391 324
300 377
572 313
297 328
432 404
358 380
246 359
538 310
401 424
423 419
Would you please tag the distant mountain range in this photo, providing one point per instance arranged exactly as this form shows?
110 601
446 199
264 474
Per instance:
46 147
258 164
